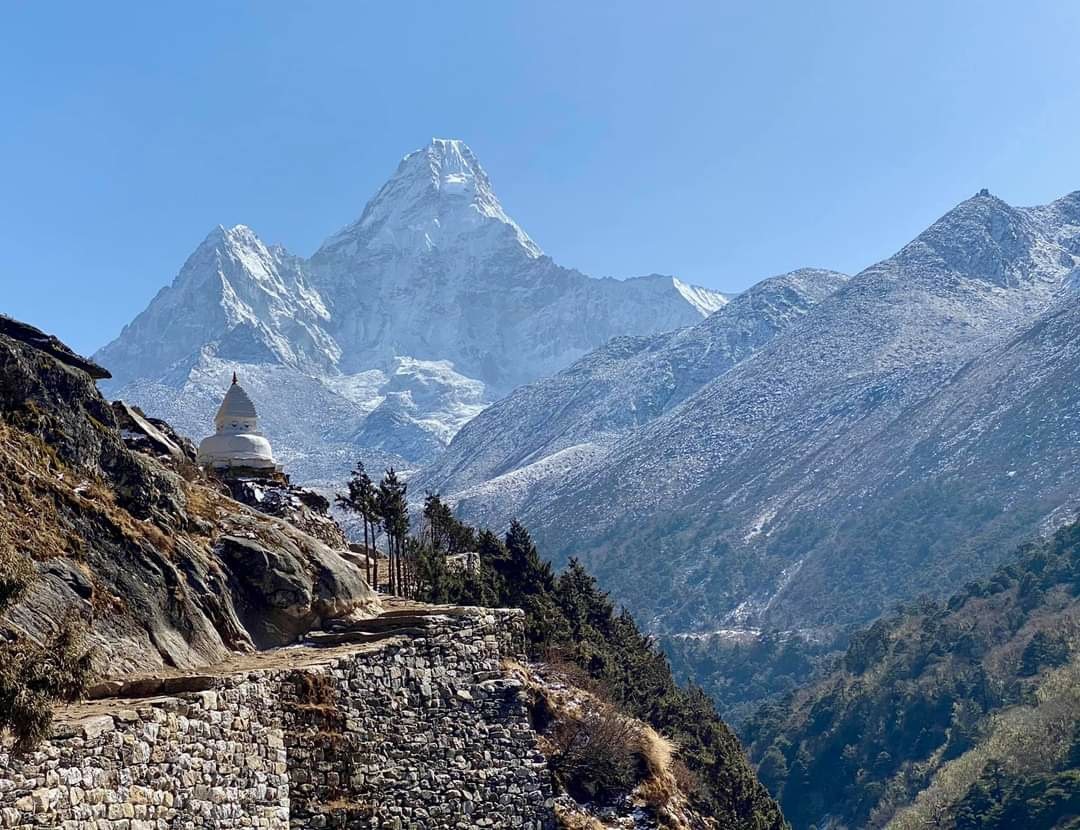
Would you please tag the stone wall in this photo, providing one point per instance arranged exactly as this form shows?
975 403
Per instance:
422 732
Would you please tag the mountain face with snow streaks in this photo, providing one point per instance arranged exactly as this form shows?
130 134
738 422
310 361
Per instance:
239 297
898 437
436 270
400 328
519 443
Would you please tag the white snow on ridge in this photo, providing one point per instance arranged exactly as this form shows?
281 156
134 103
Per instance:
703 299
400 329
503 496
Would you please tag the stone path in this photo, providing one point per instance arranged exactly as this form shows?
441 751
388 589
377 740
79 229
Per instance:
400 619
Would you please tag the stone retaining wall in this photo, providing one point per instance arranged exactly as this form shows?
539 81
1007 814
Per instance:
420 733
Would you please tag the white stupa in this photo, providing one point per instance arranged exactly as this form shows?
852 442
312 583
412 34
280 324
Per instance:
237 444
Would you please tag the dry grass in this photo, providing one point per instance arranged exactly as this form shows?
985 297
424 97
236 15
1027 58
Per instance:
40 496
33 484
570 819
667 789
202 502
658 751
663 784
314 689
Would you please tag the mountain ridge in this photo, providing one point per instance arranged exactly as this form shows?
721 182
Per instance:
622 385
776 495
434 287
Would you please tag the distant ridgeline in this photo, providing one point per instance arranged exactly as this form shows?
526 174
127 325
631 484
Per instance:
962 715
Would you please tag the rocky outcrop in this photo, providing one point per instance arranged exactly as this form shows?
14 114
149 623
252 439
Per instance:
130 542
141 434
281 592
35 337
302 508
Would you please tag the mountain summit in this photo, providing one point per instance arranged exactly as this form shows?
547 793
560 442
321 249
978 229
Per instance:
435 269
439 197
398 330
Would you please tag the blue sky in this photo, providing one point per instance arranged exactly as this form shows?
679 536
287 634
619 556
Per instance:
721 142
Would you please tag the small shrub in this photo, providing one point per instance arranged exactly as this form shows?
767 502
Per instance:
33 678
596 755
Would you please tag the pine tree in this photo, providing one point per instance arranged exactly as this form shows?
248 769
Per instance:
434 581
435 514
524 571
394 511
362 500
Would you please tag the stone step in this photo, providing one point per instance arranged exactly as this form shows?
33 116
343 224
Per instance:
337 638
380 623
152 686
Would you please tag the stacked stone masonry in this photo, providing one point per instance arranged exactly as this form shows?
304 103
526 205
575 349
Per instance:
418 733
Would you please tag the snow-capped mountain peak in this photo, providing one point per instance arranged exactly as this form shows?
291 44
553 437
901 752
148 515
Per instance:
439 198
434 276
702 299
235 295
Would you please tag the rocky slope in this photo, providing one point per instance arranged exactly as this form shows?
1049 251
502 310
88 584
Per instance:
900 436
185 593
542 432
162 567
399 329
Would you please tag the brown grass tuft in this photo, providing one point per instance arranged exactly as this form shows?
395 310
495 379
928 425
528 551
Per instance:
571 819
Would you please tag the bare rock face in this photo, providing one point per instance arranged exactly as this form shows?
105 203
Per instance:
130 541
35 337
281 592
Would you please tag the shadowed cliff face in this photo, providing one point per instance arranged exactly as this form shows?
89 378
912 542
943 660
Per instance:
131 544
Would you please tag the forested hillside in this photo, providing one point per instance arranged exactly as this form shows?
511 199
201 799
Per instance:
574 626
962 715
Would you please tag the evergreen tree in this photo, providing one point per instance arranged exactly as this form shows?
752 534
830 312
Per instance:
394 512
362 500
525 573
437 517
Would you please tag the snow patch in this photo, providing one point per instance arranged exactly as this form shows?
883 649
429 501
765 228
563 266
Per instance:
704 300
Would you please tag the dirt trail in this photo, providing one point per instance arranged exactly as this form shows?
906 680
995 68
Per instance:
115 694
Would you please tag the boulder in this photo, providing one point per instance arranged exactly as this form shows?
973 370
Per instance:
283 587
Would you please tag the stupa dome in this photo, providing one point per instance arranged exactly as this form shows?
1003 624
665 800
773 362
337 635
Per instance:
237 442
